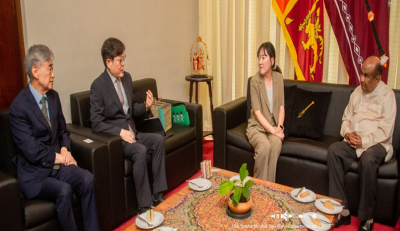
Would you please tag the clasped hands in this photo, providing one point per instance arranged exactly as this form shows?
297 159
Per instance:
65 158
353 140
278 131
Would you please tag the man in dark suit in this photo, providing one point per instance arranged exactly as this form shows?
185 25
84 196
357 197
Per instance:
45 166
111 111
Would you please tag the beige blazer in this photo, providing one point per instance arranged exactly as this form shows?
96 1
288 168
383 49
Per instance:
259 101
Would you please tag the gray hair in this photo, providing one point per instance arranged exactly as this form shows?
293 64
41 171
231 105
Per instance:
36 55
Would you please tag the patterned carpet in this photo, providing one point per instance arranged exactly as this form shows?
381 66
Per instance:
207 210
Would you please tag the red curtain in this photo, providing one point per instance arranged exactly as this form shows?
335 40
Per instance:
361 28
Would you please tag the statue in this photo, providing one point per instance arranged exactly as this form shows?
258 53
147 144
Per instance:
198 57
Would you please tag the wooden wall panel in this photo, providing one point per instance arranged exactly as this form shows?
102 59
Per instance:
12 76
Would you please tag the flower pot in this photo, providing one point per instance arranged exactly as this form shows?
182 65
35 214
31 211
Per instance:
241 208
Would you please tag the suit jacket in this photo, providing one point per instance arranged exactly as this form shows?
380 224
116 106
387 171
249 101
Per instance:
37 142
106 111
259 101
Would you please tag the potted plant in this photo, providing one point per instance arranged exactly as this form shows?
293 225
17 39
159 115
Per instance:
239 201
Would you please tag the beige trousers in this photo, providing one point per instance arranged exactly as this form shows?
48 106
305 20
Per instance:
267 149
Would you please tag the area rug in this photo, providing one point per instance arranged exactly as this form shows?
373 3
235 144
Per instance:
207 210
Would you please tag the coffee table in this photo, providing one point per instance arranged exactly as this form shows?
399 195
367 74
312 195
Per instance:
273 208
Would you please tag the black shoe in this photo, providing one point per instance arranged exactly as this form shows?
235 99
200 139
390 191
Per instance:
142 210
160 199
366 226
343 220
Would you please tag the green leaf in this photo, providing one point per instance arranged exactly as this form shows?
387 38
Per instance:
225 187
236 195
243 172
246 193
248 184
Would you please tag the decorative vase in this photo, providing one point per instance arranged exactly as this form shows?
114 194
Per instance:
241 208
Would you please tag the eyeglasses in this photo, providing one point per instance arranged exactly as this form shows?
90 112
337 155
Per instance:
121 60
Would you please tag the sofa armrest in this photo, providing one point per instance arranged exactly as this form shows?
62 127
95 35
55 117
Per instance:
226 117
94 157
10 202
115 161
195 112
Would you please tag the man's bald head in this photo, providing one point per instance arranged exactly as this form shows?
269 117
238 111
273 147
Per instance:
371 72
376 62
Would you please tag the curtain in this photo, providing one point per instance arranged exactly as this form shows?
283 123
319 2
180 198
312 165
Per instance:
234 29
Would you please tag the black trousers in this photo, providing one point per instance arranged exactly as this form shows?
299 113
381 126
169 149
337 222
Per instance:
58 188
153 144
340 158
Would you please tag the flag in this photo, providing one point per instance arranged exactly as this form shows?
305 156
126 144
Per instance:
361 28
303 29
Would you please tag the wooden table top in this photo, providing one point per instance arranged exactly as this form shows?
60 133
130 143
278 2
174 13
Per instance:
170 200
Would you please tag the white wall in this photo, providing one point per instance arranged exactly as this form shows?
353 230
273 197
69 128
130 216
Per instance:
157 36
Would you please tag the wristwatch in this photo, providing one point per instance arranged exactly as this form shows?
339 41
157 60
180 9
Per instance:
282 127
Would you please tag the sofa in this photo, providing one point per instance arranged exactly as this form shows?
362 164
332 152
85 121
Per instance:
18 213
184 149
303 162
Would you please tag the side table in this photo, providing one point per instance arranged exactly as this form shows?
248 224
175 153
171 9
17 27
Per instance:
197 80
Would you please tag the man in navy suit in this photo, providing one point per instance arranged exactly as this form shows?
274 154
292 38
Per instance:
111 111
46 169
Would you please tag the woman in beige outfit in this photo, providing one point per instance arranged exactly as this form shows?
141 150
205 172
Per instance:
265 128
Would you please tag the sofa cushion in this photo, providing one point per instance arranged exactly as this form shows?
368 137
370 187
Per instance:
290 97
303 148
308 115
237 137
182 136
37 212
387 170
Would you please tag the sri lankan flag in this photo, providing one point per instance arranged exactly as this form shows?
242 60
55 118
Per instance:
302 22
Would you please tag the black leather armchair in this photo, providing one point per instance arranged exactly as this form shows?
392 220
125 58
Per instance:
184 151
17 213
303 162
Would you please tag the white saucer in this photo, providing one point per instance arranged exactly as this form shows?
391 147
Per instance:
310 198
164 228
158 220
320 206
237 177
202 182
306 220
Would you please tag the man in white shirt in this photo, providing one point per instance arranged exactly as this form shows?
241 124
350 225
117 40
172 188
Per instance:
367 128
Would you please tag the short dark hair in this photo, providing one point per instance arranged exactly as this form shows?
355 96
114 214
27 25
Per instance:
111 48
270 49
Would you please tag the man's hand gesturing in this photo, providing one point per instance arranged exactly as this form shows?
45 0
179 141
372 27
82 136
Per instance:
149 99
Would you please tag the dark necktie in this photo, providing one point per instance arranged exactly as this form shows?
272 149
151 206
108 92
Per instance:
44 111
